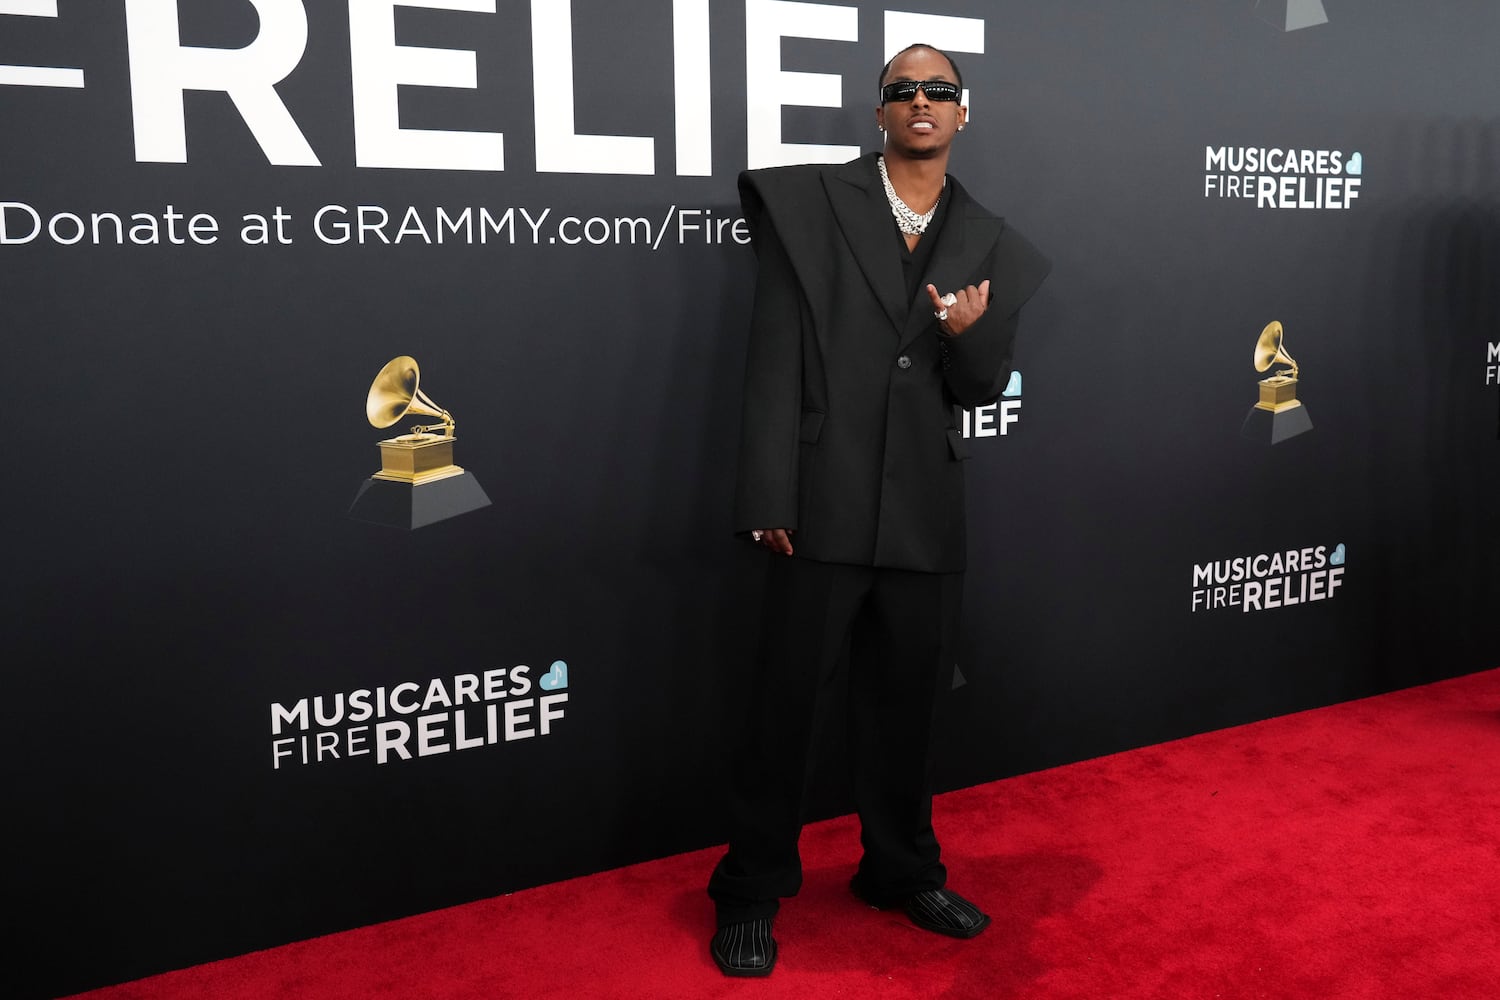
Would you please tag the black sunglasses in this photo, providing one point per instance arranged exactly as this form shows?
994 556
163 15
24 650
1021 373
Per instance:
904 90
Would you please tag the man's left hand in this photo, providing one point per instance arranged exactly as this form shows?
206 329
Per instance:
968 305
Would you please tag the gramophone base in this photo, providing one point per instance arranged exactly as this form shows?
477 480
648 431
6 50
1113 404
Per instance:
401 505
1290 15
1275 426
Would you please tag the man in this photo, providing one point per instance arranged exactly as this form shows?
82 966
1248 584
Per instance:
885 296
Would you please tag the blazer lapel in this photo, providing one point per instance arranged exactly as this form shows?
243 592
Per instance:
858 201
965 239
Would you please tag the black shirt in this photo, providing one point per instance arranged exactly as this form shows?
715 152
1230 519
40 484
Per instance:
914 262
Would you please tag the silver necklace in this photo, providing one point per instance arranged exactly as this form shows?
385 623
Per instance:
908 220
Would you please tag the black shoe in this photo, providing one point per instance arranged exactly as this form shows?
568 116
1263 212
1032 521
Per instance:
945 912
745 949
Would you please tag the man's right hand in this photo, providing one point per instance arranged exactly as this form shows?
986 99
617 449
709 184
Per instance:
775 539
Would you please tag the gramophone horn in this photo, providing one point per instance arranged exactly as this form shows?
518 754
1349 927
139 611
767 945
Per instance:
395 393
1268 349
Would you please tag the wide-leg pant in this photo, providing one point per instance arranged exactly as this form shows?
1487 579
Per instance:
900 628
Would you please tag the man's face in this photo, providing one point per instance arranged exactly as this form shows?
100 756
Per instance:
920 128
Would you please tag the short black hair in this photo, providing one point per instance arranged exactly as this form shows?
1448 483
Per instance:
958 74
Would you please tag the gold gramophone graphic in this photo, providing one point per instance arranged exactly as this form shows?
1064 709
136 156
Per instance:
421 456
1279 391
418 483
1279 414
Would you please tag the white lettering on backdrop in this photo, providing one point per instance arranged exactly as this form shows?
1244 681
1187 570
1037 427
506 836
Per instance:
162 70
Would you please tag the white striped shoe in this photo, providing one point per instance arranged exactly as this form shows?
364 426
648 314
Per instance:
745 949
945 912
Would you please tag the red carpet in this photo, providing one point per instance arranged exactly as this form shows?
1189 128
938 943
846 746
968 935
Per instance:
1348 852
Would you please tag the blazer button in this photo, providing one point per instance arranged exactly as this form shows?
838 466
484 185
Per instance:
903 362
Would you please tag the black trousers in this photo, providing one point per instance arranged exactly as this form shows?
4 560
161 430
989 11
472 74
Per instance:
900 628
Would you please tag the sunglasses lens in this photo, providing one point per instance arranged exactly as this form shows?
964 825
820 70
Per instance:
900 91
937 90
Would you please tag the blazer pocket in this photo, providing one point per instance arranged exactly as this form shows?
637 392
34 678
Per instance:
957 445
812 426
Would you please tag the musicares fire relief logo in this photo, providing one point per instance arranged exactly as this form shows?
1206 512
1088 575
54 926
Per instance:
1284 178
420 719
995 419
1492 363
1269 580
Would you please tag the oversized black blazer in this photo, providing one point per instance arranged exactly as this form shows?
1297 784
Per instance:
849 434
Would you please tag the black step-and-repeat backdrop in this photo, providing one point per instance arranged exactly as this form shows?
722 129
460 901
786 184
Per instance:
236 715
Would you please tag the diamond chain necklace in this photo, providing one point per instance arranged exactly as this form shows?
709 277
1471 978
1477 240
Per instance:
909 221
